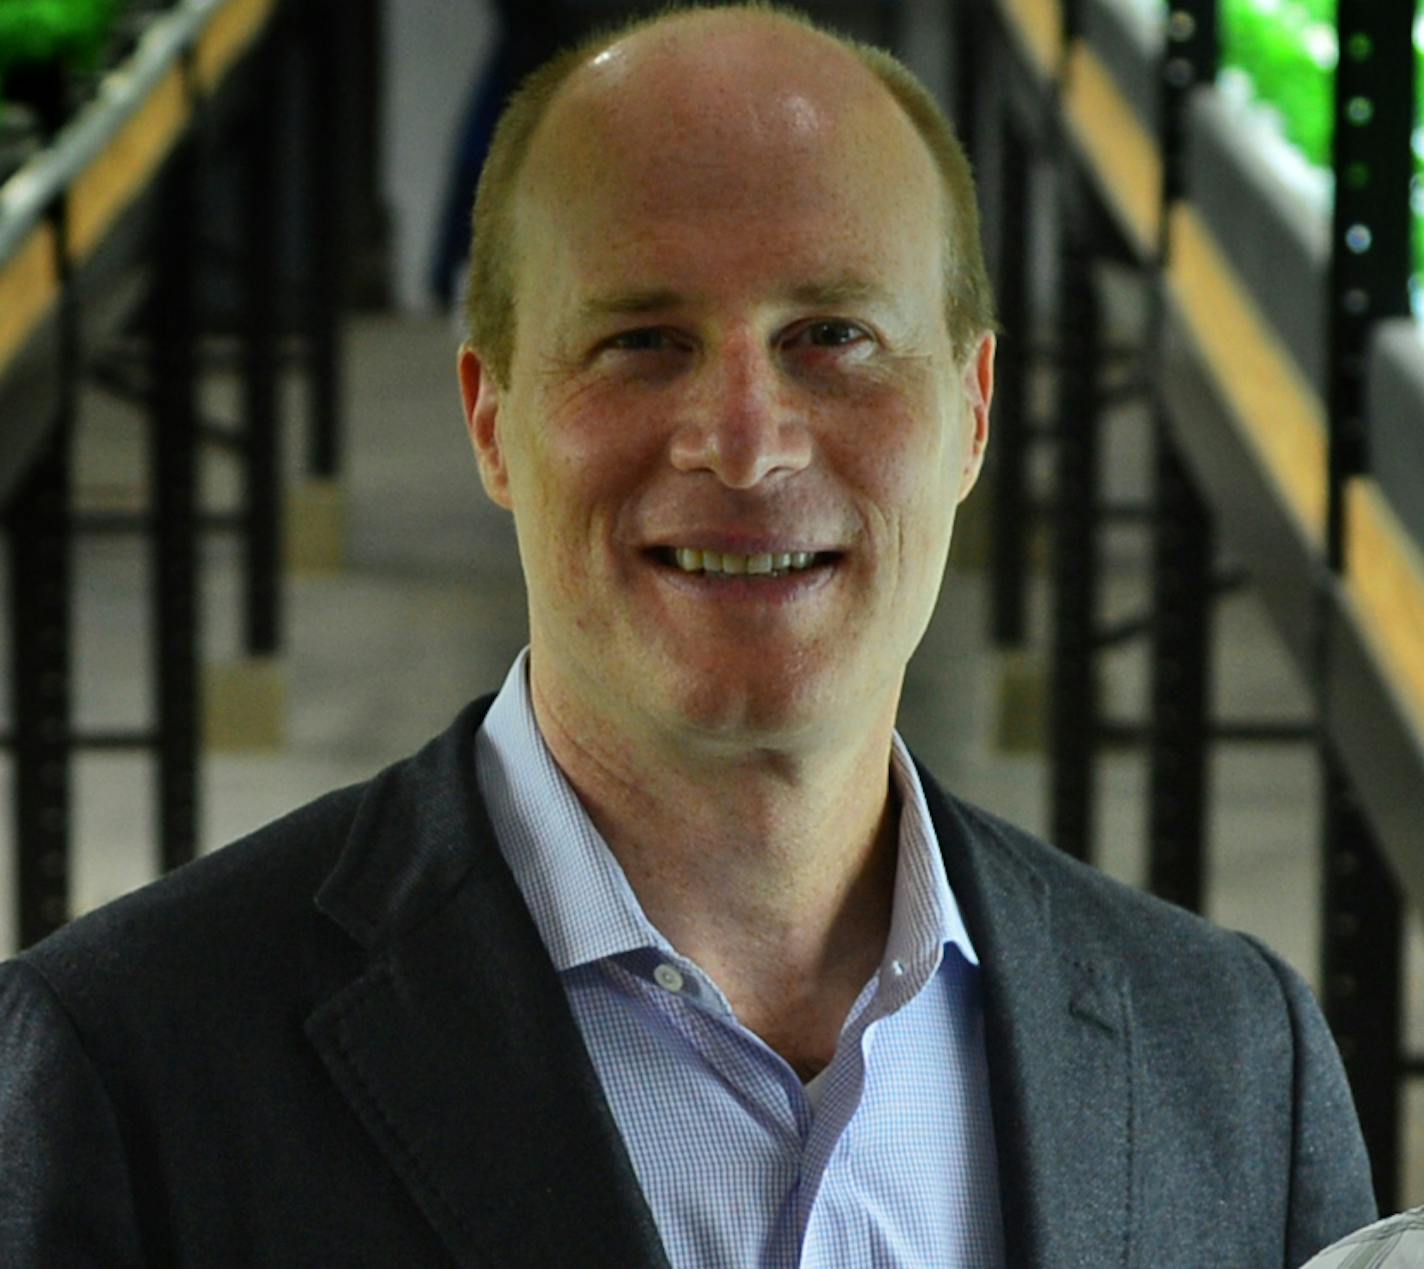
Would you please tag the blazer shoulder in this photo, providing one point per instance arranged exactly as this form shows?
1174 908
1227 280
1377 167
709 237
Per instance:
1100 921
246 914
207 922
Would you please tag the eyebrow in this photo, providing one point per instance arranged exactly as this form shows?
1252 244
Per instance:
629 303
837 291
829 293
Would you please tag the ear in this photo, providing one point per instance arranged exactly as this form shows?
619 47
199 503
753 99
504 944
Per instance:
480 393
978 386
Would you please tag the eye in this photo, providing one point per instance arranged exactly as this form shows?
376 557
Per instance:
829 333
645 339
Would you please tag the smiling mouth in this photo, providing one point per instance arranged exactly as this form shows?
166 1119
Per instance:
729 564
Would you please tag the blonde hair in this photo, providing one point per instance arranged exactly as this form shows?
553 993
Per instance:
489 299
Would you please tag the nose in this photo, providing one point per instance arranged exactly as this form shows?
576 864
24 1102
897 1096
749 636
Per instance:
737 422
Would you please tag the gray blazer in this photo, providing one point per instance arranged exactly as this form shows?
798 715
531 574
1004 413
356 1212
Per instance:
340 1042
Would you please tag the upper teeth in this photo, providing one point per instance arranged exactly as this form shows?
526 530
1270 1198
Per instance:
691 561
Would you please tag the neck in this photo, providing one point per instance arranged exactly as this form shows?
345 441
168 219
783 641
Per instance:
773 871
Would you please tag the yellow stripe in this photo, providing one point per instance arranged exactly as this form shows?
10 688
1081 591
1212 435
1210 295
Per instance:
29 284
1116 145
114 179
227 36
1384 575
1040 25
1278 413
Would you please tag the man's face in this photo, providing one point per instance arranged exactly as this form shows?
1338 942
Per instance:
734 433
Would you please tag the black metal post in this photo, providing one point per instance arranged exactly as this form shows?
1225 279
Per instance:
1370 254
969 83
173 464
323 32
262 502
369 246
888 13
1009 452
1073 727
1180 677
1369 268
1183 589
39 540
1362 973
1190 58
39 524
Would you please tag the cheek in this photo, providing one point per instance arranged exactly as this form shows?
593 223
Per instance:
592 433
579 465
904 464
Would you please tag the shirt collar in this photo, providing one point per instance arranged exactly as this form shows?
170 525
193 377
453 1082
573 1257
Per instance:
925 917
574 887
580 899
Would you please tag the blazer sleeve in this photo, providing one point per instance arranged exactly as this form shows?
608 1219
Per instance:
1331 1189
65 1189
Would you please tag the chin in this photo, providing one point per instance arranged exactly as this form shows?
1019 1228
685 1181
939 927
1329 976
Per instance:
762 711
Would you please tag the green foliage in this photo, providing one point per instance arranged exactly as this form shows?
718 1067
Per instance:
1287 49
45 31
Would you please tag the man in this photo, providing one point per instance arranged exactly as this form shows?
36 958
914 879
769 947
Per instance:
671 955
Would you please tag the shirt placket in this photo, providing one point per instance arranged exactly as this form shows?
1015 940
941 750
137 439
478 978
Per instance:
766 1090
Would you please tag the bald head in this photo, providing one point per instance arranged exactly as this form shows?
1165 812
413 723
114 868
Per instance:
717 108
744 109
748 80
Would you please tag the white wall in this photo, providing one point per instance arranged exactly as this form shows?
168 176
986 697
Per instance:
434 51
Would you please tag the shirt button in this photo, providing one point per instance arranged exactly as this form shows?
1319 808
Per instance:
667 976
897 968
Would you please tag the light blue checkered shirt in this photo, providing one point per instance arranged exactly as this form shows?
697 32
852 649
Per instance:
887 1159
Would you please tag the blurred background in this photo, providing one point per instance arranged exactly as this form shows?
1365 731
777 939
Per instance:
247 558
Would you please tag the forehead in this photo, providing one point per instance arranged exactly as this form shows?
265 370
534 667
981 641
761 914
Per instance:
759 133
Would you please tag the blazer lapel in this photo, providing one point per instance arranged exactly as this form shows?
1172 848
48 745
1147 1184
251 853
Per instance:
1058 1030
456 1048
